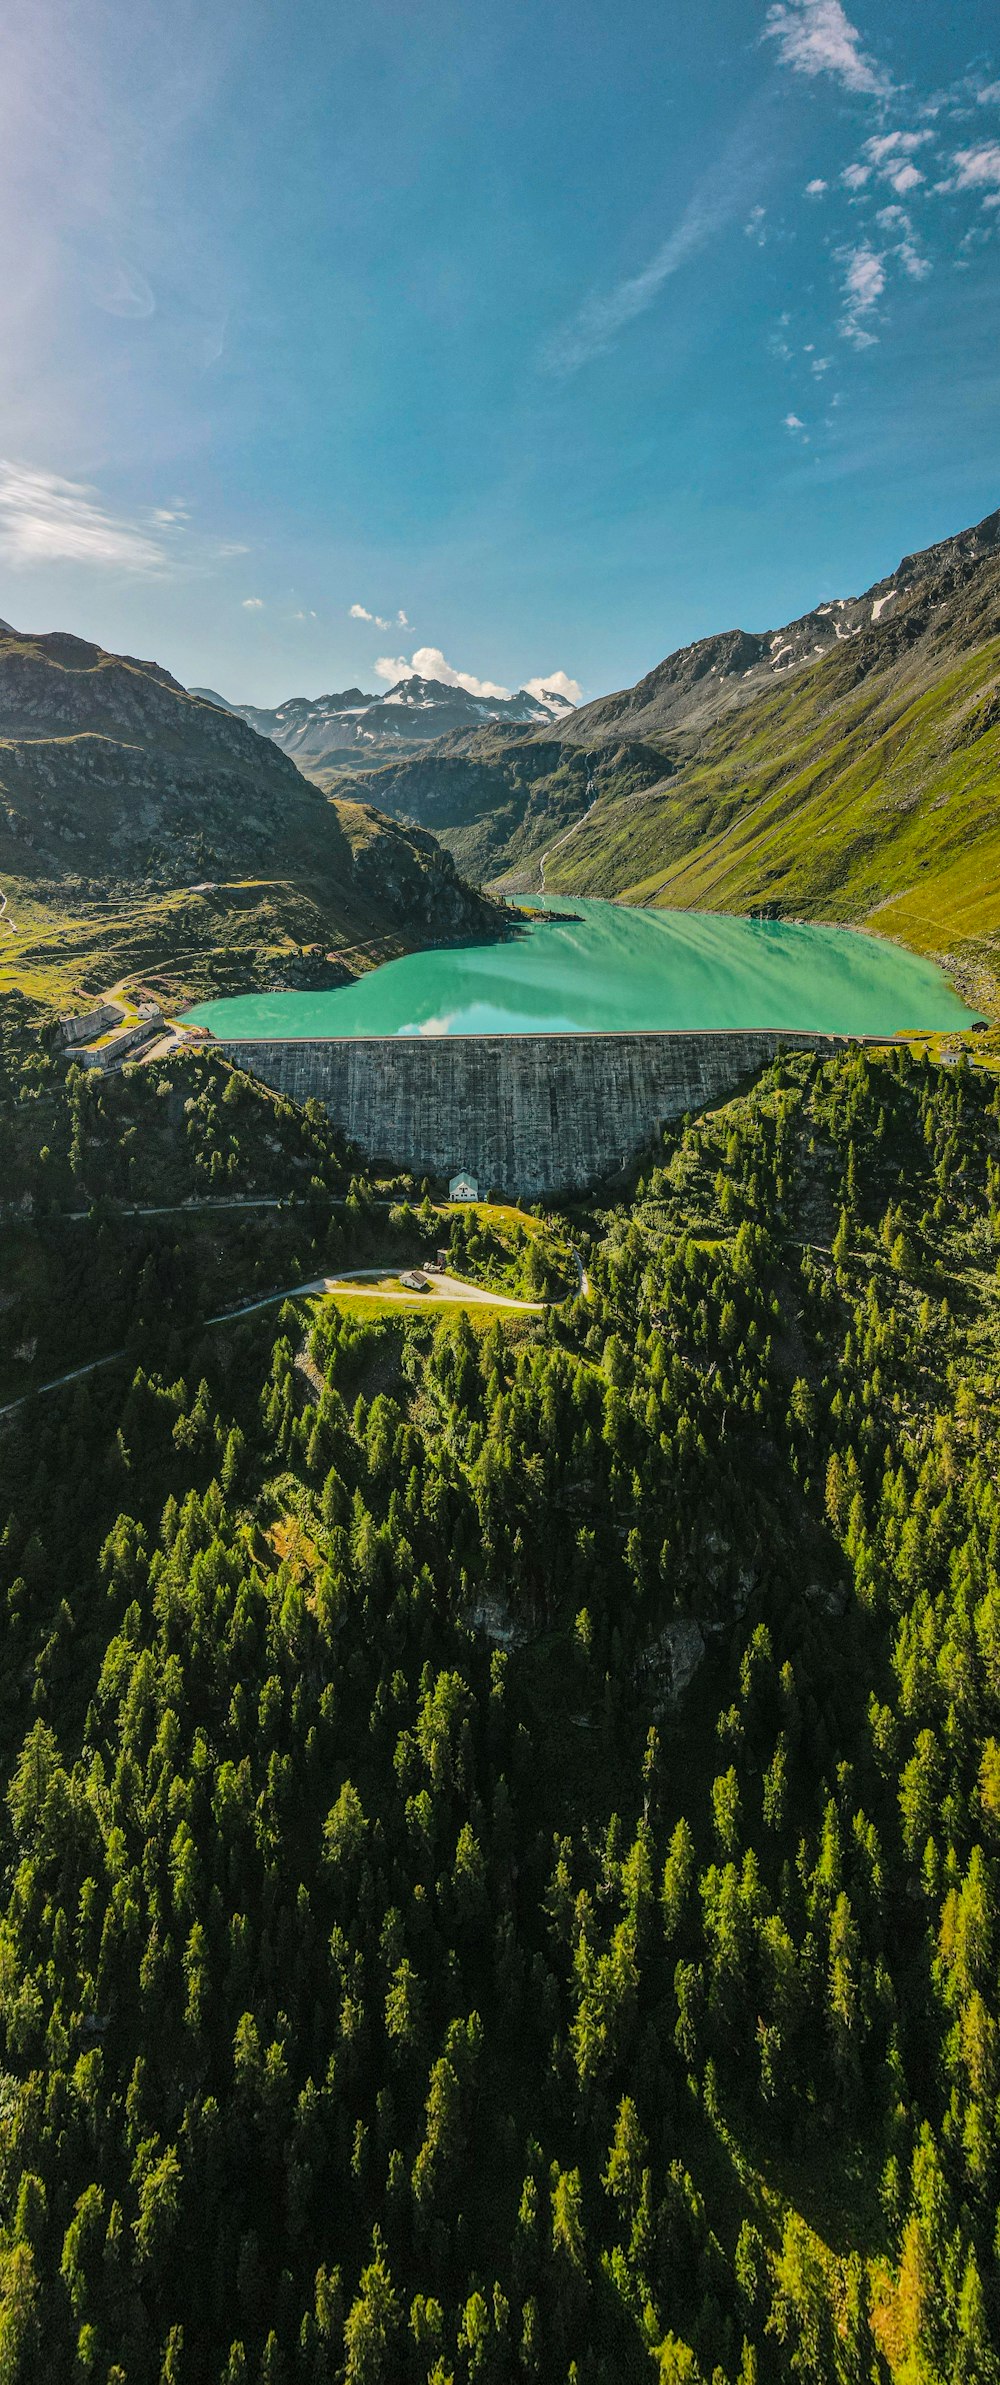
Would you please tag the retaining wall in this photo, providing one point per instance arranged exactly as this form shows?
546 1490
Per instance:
528 1114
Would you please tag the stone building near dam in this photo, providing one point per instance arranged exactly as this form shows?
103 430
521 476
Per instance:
528 1115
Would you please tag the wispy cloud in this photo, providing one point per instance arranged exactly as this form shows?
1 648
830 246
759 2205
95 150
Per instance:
45 519
864 282
895 221
378 620
815 37
906 157
121 289
719 200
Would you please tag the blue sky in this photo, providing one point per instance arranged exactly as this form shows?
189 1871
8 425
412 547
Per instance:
536 340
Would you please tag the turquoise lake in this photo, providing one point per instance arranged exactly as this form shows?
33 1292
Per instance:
610 968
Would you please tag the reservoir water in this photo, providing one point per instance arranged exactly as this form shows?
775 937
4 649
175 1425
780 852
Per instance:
605 967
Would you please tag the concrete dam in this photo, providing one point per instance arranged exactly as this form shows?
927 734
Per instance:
525 1114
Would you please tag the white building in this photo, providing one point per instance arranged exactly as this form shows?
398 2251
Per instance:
463 1188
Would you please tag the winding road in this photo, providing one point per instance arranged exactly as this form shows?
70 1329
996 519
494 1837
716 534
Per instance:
373 1283
363 1282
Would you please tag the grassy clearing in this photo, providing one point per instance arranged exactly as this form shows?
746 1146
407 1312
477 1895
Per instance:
480 1313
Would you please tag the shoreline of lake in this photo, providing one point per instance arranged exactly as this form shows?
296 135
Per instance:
602 967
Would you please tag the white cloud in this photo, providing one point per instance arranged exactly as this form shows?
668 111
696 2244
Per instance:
361 613
815 37
894 144
978 169
816 187
890 156
253 604
913 263
44 519
864 282
793 422
555 683
428 662
905 177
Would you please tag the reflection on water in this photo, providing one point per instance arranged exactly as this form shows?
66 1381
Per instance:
610 968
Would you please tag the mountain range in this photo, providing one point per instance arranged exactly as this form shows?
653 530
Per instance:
143 829
352 730
841 767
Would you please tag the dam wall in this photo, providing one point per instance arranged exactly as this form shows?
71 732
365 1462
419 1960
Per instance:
525 1114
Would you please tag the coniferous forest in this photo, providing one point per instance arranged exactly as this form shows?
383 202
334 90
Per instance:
501 1831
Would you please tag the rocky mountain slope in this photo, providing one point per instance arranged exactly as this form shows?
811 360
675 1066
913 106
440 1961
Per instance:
692 687
500 801
139 821
351 731
844 767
